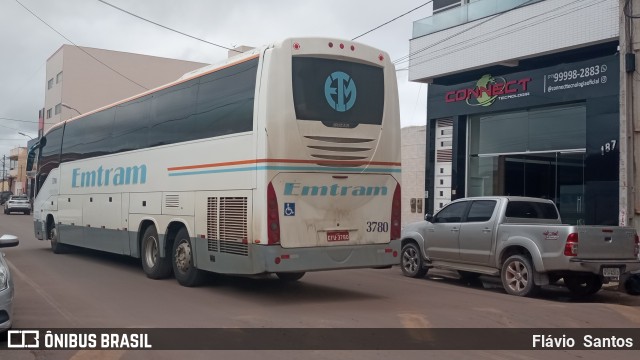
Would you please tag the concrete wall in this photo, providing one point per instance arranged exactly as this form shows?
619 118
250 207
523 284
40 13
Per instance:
414 139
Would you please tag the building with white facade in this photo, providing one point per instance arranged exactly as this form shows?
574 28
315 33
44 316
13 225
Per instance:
523 100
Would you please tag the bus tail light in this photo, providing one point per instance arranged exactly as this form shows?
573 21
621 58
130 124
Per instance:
395 214
571 246
273 218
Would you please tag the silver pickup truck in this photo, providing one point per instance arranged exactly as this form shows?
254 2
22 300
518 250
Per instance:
523 241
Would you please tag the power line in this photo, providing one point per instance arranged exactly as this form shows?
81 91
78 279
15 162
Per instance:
167 28
80 48
390 21
26 121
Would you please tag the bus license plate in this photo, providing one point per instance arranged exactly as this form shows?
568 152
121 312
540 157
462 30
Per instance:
611 273
337 235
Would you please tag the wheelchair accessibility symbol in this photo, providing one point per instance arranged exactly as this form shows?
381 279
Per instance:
289 209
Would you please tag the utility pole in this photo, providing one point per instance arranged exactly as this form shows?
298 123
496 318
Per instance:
629 197
3 173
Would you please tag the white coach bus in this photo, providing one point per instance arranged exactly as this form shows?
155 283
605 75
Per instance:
283 160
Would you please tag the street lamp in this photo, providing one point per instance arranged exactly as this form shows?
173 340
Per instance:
71 108
23 134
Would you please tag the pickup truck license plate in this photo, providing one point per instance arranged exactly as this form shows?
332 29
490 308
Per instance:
338 235
611 272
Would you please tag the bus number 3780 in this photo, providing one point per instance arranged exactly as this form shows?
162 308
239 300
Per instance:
377 226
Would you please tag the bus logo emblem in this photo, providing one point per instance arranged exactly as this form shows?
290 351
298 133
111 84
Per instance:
289 209
340 91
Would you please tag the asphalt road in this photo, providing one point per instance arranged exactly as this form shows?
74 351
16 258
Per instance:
88 289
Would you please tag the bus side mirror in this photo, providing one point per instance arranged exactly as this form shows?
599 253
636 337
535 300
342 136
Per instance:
8 241
31 156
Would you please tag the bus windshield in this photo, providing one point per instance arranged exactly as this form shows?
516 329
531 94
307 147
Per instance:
338 93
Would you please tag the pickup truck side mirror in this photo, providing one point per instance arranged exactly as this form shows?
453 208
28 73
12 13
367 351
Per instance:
8 241
428 217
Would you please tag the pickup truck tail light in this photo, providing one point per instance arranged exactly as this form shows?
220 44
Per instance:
636 249
571 246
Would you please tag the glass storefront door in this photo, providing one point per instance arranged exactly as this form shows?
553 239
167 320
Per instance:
557 176
537 152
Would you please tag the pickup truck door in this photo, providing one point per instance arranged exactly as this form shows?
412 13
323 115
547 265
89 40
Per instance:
441 241
476 232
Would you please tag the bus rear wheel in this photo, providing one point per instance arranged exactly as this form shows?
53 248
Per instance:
183 269
290 276
154 266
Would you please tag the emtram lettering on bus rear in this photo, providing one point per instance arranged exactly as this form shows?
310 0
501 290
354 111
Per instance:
297 189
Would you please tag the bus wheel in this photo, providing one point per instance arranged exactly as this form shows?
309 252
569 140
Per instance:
290 276
56 247
154 266
183 269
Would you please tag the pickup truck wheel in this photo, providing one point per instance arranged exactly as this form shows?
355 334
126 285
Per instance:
582 286
517 276
412 263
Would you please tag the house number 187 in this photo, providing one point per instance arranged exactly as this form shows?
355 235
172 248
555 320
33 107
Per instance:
608 146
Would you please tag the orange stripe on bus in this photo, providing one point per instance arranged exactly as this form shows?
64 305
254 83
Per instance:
289 161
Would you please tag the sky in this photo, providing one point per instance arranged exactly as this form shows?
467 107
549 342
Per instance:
27 43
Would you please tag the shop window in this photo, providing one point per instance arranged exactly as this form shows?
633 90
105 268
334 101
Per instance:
59 77
50 84
441 182
413 205
419 206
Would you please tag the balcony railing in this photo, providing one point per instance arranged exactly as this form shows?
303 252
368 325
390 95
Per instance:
464 14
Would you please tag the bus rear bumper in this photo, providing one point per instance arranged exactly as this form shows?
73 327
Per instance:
279 259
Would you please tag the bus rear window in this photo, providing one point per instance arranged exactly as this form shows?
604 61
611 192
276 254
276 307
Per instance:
338 93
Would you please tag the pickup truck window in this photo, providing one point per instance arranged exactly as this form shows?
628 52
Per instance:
451 213
531 210
481 211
